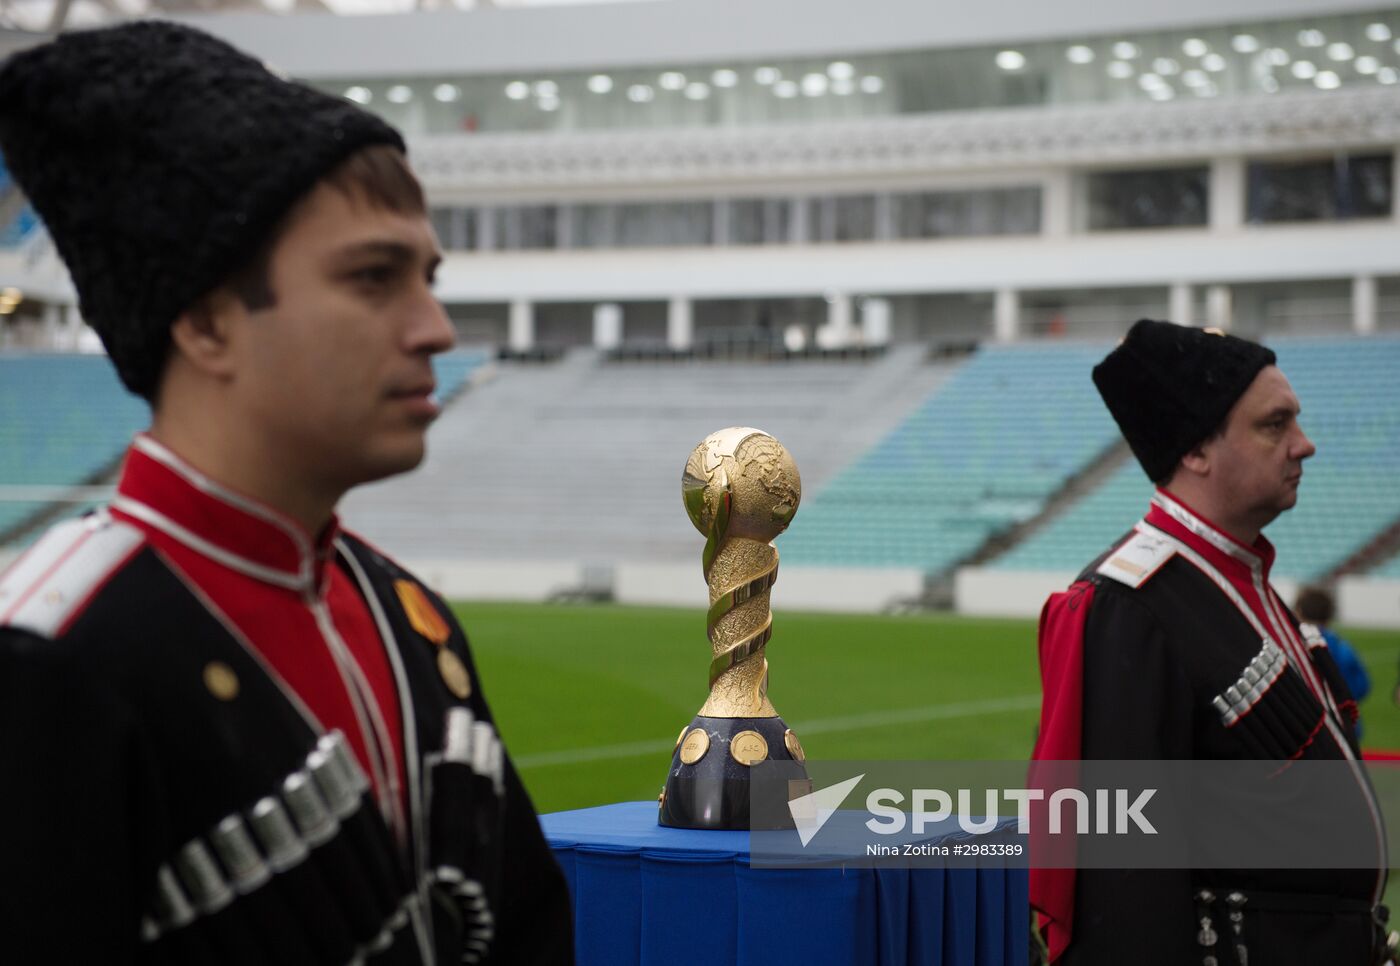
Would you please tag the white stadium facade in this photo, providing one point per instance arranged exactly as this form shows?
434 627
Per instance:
896 234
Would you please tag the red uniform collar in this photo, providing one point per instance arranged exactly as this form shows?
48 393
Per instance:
1240 561
160 490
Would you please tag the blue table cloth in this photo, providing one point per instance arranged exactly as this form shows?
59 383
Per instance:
646 895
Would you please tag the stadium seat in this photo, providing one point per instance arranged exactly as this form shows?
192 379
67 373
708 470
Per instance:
1351 410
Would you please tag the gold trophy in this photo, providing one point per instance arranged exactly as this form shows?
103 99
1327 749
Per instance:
741 490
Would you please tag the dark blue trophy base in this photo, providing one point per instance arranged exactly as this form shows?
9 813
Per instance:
714 791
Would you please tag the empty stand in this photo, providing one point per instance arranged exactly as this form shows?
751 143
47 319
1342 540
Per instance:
1351 410
979 455
454 370
64 422
66 419
581 460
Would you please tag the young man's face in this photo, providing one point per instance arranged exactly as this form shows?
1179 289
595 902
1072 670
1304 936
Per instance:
1257 462
336 374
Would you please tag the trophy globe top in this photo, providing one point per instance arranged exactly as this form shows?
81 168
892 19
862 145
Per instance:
759 476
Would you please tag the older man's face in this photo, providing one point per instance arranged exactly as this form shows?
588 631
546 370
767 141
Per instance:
1256 463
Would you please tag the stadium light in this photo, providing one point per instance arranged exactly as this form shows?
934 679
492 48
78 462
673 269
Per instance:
843 87
1120 69
360 95
1124 50
546 88
1244 43
399 94
871 84
785 89
1340 51
1367 65
814 85
1163 93
1304 69
1166 66
640 94
672 80
1387 75
1011 60
1213 63
517 90
766 75
1377 32
600 83
1311 38
724 77
1279 57
548 103
446 93
1195 47
840 70
1195 78
1080 54
697 91
1327 80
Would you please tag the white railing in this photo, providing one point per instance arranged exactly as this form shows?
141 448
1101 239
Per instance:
954 141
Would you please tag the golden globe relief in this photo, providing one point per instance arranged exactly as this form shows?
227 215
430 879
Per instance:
758 473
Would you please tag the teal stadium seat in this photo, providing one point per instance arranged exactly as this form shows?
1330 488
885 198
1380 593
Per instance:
1351 410
24 222
453 370
979 455
65 419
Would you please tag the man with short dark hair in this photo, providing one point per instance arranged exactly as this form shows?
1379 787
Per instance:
1174 645
231 731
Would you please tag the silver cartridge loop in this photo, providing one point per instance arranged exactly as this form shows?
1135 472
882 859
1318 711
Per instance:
483 737
457 744
246 868
337 787
274 831
172 909
313 819
338 750
201 876
497 767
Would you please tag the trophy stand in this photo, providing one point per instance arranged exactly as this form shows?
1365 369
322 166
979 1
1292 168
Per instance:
741 490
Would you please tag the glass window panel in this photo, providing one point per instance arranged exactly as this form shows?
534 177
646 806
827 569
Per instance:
854 218
944 214
1156 198
595 226
1325 189
746 220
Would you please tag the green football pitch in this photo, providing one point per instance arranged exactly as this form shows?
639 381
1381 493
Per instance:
590 699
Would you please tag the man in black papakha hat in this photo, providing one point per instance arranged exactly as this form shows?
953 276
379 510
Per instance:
231 731
1174 645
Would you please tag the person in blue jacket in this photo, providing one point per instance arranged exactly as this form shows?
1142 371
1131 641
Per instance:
1316 605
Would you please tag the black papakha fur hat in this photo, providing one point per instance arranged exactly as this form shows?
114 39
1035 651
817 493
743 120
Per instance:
160 159
1169 387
